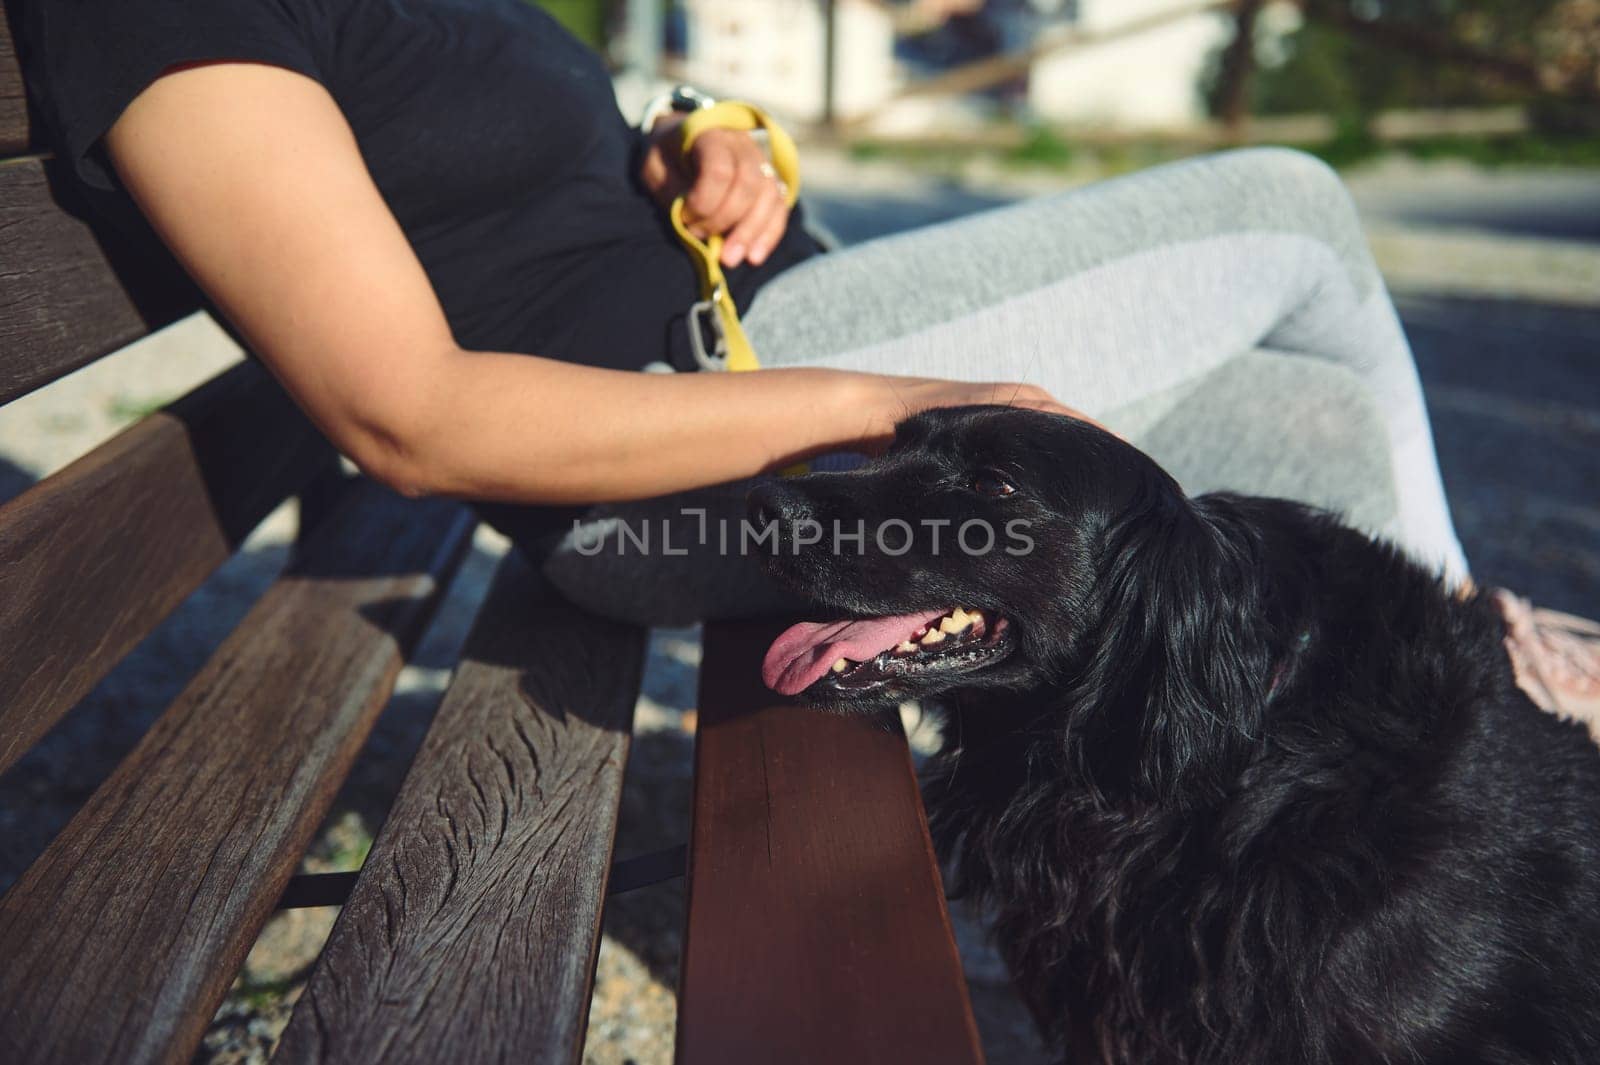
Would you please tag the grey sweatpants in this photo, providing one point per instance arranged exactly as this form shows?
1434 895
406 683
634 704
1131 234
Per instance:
1224 313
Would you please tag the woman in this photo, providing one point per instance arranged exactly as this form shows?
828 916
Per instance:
430 222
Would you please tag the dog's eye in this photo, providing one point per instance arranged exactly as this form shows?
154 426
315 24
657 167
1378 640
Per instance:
992 484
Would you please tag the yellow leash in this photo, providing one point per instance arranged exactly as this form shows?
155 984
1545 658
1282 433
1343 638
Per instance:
716 313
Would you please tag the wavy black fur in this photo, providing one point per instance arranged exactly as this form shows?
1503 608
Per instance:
1252 787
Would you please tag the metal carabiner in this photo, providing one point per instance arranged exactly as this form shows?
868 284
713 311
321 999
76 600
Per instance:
702 317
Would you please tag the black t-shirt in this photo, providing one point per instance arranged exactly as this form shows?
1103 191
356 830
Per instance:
491 132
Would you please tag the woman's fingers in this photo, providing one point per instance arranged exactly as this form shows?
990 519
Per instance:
661 170
928 393
1035 398
664 181
715 163
733 194
759 231
729 189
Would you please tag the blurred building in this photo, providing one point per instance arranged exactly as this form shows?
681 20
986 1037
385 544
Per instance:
1149 80
774 51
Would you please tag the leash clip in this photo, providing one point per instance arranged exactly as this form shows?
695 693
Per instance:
703 317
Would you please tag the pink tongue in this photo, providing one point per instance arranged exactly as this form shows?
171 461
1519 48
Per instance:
806 651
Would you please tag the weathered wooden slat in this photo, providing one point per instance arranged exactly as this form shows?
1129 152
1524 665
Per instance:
69 295
15 132
471 934
817 927
92 558
120 942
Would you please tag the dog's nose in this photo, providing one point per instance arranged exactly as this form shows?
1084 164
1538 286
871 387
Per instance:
777 504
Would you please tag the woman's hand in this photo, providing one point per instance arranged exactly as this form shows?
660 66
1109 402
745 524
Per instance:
731 189
901 397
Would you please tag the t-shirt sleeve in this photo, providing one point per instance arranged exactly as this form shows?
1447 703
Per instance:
89 58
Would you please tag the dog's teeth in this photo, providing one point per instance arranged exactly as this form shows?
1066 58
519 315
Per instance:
934 636
841 665
958 621
906 647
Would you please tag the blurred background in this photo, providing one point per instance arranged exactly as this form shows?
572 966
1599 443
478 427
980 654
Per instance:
1492 80
1468 132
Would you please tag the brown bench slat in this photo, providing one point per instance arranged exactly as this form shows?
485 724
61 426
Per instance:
63 305
472 932
120 942
817 927
15 133
92 558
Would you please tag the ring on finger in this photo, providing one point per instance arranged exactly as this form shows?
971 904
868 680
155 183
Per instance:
768 170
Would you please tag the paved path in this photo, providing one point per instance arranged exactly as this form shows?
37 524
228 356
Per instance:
1553 204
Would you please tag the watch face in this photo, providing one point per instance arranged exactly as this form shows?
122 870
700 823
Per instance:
686 99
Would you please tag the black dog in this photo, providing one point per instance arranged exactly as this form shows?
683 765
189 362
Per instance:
1240 784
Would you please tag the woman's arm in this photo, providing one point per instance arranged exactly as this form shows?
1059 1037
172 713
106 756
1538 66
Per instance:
252 176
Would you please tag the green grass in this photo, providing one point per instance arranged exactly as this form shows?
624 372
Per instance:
585 18
1516 149
351 855
342 845
266 993
922 156
1039 148
126 409
1044 149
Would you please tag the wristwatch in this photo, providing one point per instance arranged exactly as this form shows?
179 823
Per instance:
682 100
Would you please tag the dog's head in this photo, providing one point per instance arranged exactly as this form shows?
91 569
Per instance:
993 548
967 556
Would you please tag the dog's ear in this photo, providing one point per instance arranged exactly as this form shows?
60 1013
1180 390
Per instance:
1181 674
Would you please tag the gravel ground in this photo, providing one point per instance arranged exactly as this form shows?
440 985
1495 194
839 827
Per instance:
1506 323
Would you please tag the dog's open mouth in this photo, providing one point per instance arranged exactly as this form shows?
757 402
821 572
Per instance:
864 653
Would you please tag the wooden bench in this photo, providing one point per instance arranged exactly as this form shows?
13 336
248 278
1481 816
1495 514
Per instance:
816 927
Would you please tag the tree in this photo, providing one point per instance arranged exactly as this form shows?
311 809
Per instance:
585 18
1354 58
